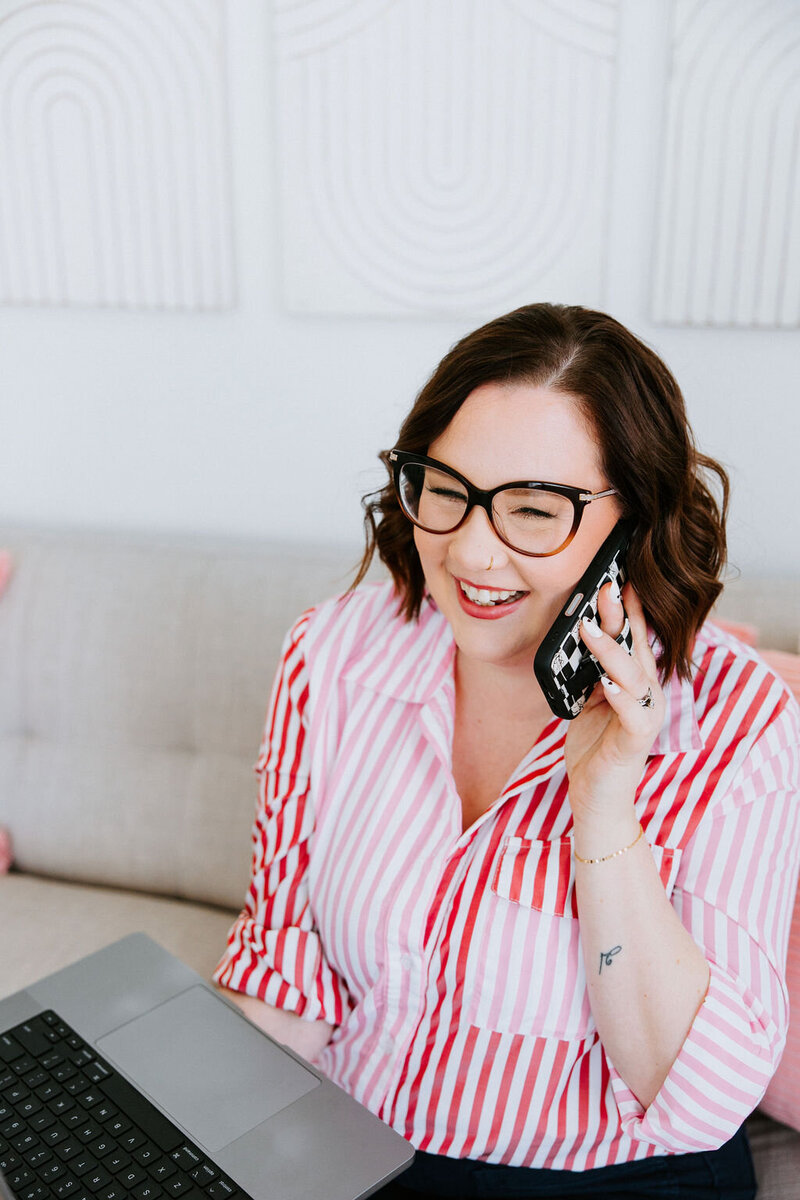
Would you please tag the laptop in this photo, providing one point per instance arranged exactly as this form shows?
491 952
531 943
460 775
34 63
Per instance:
126 1075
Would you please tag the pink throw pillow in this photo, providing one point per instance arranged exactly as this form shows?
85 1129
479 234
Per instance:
782 1099
5 569
745 633
6 855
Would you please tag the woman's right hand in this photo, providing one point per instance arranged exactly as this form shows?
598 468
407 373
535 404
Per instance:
306 1038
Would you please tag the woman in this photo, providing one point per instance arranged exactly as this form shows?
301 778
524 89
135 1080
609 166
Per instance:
549 953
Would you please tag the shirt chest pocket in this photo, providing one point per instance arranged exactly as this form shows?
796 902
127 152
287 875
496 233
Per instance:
525 973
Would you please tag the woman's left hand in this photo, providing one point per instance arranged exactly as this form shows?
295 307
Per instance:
607 745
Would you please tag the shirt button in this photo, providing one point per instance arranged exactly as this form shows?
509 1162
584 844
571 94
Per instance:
406 962
387 1045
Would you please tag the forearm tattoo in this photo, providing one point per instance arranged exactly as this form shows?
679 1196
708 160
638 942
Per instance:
607 956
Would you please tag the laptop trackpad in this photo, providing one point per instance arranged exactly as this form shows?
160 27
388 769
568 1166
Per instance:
209 1069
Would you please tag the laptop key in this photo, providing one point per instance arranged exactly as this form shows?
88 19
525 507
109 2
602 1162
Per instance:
102 1146
24 1141
83 1163
9 1048
132 1140
53 1170
131 1176
96 1179
36 1191
68 1149
204 1174
113 1192
116 1161
62 1104
179 1186
186 1158
19 1177
66 1187
64 1072
38 1157
147 1191
37 1078
163 1170
33 1042
96 1071
220 1189
118 1125
78 1083
88 1132
29 1107
23 1065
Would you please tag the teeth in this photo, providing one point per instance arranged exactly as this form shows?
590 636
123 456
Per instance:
486 595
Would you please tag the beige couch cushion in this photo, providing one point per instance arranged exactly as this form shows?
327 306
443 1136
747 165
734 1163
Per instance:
134 678
46 925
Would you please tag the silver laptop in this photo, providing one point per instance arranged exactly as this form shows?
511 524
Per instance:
150 1085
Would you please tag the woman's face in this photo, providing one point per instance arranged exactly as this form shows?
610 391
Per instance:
501 434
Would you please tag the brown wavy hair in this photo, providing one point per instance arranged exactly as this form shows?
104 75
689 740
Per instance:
636 409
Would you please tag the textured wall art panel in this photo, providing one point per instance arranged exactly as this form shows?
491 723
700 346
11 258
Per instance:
420 167
728 242
114 186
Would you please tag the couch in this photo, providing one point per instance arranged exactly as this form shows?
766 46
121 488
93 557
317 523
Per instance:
134 677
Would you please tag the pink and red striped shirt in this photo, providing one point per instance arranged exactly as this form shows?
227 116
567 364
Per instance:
449 961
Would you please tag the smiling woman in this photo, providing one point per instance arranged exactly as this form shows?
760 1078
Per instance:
522 940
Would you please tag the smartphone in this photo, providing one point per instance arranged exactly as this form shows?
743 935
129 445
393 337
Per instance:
566 669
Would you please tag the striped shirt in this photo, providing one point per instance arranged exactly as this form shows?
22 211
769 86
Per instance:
449 960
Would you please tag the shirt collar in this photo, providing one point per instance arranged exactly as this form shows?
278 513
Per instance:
408 660
413 660
680 730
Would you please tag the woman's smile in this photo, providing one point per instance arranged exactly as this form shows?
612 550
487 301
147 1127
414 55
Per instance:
487 603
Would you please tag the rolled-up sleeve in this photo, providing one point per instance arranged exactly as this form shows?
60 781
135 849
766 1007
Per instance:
274 951
735 894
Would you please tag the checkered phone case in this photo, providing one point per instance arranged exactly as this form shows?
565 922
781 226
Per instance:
566 670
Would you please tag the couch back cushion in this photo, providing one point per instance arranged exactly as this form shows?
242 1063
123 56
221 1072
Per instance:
134 678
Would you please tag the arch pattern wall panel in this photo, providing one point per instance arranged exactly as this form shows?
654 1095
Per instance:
420 167
115 177
728 239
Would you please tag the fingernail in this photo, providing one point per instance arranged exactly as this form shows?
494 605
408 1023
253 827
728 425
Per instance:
592 628
615 592
609 684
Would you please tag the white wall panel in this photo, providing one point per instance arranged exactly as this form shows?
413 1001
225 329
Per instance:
728 241
114 158
443 156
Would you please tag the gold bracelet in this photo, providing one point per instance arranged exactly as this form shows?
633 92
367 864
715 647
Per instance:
616 853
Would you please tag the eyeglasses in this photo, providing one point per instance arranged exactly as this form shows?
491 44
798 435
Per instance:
537 519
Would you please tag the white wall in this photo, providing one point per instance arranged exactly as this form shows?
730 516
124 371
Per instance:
254 420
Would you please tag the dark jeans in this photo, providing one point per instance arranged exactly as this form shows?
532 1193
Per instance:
724 1174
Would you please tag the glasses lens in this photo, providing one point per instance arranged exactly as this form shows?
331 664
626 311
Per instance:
533 520
433 499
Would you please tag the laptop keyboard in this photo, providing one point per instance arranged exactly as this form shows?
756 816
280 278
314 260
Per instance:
72 1128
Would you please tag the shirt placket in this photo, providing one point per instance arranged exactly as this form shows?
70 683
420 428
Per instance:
410 949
